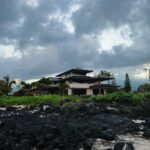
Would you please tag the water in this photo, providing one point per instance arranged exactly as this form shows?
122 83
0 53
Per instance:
138 141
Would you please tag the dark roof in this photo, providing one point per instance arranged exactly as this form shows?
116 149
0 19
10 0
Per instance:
75 70
103 86
86 78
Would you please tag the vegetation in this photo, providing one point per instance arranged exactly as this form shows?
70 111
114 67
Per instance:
36 88
123 98
62 88
144 88
6 85
45 81
40 87
104 73
43 84
118 97
33 100
127 84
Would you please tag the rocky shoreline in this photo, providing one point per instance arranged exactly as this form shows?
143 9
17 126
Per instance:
71 126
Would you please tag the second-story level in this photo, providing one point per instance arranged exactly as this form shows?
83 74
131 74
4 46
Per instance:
74 72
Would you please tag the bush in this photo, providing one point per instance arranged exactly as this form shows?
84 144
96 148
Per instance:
120 97
70 105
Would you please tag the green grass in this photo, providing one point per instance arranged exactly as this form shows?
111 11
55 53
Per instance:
118 97
33 100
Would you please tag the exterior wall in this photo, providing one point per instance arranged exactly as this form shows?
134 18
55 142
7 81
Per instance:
89 92
79 85
65 76
69 91
102 91
105 91
70 74
54 85
76 74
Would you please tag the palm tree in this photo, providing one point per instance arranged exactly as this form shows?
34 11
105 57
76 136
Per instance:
6 84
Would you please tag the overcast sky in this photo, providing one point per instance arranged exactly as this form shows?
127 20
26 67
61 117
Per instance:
43 37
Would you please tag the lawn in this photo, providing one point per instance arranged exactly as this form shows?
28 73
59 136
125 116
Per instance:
33 100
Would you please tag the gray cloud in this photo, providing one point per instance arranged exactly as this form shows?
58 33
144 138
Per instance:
99 14
40 34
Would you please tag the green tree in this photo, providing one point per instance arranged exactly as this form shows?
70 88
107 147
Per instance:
127 83
25 86
63 87
2 85
6 85
45 81
43 84
104 73
144 88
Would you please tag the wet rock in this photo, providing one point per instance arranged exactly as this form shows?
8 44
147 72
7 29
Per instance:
88 144
61 127
22 146
9 108
147 123
147 133
123 146
1 124
108 135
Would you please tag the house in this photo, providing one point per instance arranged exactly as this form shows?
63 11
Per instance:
79 83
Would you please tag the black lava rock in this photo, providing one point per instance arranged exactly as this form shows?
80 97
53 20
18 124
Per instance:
147 133
88 144
123 146
108 135
64 128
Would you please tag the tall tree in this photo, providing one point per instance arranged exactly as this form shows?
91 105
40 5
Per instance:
6 85
63 87
144 88
45 81
127 83
43 84
104 73
25 86
2 85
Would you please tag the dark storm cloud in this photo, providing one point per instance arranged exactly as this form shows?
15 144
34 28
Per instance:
40 34
99 14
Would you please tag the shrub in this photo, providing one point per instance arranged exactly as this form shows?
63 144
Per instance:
120 97
70 105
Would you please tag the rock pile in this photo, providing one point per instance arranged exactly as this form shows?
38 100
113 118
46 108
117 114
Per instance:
48 127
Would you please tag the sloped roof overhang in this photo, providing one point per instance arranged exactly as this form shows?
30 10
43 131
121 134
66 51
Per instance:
76 70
